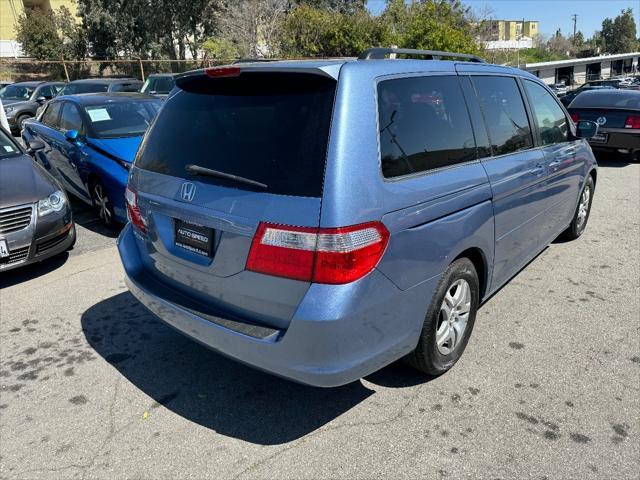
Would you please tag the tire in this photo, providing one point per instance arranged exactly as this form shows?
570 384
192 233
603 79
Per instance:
434 359
581 215
103 204
20 120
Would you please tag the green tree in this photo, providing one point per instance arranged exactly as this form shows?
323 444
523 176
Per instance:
309 31
341 6
47 35
221 49
619 34
37 33
431 25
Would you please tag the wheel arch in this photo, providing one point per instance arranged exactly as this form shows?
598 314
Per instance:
479 260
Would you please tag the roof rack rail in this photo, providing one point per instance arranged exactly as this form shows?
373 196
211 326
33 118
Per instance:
381 53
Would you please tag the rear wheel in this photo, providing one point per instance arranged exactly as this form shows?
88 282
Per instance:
449 320
581 215
103 204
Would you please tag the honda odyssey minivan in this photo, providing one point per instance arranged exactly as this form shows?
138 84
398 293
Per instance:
321 219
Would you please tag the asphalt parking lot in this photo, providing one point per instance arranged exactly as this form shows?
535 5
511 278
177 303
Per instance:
93 386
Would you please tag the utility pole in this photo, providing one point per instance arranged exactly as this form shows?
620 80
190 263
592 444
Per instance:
575 21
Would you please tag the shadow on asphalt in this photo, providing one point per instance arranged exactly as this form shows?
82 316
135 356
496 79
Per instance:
87 217
35 270
612 160
211 390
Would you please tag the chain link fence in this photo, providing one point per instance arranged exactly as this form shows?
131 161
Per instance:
16 70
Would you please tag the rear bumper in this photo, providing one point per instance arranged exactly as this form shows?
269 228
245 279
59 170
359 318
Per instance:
339 333
618 139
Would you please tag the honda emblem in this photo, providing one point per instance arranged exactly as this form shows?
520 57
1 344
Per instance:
188 191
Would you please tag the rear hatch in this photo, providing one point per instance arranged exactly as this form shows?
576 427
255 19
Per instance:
271 129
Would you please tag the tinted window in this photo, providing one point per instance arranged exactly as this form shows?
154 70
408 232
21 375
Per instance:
50 115
78 88
71 118
549 117
504 113
268 127
158 85
46 92
424 125
126 87
608 98
122 119
16 92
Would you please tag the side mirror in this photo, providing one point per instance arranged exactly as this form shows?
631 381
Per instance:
41 99
586 129
35 145
72 136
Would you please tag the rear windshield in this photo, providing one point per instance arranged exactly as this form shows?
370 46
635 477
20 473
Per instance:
269 127
79 88
607 99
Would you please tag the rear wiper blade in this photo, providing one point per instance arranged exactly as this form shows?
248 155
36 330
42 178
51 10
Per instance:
209 172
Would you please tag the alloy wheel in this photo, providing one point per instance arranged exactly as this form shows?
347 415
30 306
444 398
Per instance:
583 207
103 204
454 315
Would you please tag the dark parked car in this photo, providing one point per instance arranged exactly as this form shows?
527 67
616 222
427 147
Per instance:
322 219
102 85
570 96
35 217
21 100
90 143
617 112
159 84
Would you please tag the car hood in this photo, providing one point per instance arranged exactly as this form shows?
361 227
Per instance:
23 181
13 103
121 148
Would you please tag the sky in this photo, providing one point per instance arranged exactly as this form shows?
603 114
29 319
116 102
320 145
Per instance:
552 14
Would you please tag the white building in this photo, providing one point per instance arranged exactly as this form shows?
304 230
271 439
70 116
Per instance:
577 71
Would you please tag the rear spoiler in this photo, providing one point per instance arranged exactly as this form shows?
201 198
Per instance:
185 80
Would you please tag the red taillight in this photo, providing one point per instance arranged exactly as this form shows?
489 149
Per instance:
633 121
575 117
222 72
133 211
320 255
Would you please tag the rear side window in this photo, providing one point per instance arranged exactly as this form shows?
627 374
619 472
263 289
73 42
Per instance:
424 124
269 127
51 114
126 87
79 88
504 113
549 117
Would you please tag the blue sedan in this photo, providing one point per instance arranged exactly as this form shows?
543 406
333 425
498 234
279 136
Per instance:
90 142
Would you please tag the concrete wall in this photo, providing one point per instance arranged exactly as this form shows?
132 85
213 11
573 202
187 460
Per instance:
548 76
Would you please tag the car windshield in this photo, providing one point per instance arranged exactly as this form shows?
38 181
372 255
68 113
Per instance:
79 88
122 119
160 85
7 147
16 92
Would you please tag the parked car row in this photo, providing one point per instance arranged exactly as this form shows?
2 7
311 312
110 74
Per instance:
321 219
23 100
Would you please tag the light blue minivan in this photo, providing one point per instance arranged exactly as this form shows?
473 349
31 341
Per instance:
321 219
